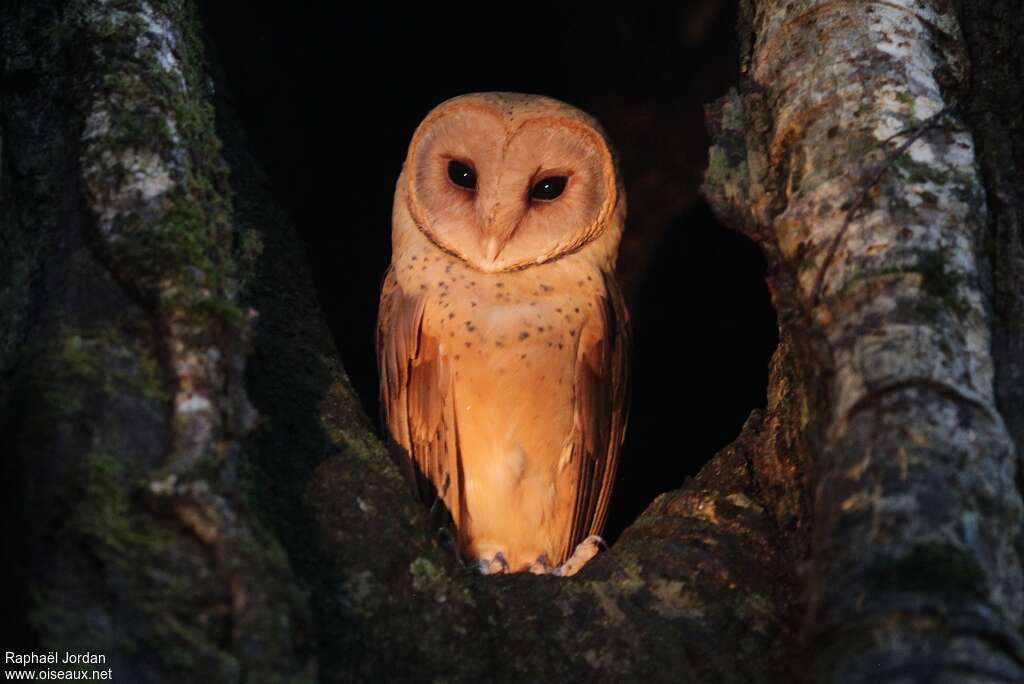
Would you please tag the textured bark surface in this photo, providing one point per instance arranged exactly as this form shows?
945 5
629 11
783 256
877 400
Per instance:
124 346
847 156
136 271
864 527
700 588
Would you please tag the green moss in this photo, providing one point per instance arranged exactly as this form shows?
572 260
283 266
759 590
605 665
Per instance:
343 420
105 515
150 562
132 580
123 537
920 172
71 367
931 568
431 579
78 364
907 99
941 282
195 650
183 258
726 166
866 275
425 575
727 175
718 164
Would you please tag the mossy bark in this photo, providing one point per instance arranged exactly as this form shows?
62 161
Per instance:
123 407
700 588
151 291
846 154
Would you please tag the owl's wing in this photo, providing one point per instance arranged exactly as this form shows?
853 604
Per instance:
601 407
416 393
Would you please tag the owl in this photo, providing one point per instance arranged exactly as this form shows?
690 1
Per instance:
502 336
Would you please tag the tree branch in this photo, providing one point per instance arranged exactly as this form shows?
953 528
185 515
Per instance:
917 569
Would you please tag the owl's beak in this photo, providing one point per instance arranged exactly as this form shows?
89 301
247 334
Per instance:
497 232
492 247
499 220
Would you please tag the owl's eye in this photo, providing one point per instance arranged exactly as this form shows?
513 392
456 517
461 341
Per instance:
547 189
462 174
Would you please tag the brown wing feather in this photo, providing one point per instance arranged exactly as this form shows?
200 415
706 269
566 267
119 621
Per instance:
417 396
601 397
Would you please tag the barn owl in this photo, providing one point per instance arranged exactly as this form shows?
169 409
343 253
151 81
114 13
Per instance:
502 335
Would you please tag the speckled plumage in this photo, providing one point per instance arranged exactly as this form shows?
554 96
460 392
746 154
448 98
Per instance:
503 375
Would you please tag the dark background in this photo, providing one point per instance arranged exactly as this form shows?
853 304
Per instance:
330 95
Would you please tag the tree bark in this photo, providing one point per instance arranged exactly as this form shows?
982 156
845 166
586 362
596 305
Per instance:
124 347
865 523
847 157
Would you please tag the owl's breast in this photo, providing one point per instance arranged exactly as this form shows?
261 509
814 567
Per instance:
511 341
512 346
506 323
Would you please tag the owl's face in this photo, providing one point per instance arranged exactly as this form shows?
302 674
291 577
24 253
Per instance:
505 181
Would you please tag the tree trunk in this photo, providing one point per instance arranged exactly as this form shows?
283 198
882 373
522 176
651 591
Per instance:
847 157
863 527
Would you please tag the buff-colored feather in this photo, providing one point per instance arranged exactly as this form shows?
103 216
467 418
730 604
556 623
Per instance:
504 380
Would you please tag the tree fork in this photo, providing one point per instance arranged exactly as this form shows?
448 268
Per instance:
158 496
131 259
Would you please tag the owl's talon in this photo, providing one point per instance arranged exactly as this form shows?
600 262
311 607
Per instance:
494 566
585 551
541 566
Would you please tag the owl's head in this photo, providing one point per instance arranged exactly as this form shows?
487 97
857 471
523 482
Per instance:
505 181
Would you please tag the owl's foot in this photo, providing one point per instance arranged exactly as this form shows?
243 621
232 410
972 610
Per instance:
494 566
587 549
541 566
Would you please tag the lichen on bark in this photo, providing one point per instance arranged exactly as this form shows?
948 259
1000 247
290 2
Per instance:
863 527
696 590
123 408
860 180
